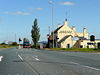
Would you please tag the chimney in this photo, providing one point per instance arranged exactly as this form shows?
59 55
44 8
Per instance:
73 28
84 30
65 22
85 33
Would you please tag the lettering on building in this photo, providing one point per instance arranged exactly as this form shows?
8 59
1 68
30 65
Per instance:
65 32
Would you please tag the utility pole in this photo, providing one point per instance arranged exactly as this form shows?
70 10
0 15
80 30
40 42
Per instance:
15 37
51 2
49 30
48 38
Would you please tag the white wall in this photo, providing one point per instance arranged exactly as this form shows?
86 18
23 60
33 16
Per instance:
84 43
66 42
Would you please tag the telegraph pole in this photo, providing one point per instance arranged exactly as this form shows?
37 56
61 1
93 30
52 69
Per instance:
49 30
15 37
51 2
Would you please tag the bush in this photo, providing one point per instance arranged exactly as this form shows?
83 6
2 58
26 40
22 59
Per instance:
3 43
14 44
38 46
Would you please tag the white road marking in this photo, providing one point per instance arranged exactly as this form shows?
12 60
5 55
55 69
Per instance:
91 67
35 57
20 57
1 58
74 63
85 66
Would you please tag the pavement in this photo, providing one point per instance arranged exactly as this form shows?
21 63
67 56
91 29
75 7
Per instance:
43 62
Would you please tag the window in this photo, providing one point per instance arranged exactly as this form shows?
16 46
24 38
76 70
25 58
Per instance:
91 43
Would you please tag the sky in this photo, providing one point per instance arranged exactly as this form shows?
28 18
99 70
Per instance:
17 16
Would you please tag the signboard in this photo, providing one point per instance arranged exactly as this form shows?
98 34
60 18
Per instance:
92 38
65 32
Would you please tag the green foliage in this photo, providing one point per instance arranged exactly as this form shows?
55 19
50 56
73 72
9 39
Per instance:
14 43
38 46
3 43
35 33
5 46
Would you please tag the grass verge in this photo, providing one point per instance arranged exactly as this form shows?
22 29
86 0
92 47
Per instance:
75 49
6 46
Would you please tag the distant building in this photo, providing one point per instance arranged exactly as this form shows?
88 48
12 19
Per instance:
67 37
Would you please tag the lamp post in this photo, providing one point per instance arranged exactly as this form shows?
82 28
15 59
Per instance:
51 2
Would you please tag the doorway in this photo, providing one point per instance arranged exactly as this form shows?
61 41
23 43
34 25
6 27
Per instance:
99 45
68 45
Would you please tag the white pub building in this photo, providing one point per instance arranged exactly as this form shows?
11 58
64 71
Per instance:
67 37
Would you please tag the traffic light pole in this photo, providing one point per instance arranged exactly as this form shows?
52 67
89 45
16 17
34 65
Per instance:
19 43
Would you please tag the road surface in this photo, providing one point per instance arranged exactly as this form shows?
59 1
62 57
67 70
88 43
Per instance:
42 62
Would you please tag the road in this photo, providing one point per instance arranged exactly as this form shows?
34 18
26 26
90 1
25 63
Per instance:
42 62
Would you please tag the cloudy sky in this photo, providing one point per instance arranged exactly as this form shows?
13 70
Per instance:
17 16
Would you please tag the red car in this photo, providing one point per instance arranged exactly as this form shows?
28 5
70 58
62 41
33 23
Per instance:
26 46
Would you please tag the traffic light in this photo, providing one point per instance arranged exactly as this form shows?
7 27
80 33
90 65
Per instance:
20 39
92 38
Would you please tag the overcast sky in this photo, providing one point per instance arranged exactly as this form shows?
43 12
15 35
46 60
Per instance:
17 16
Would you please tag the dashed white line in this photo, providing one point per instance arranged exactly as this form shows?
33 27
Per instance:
85 66
20 57
74 63
1 58
35 57
90 67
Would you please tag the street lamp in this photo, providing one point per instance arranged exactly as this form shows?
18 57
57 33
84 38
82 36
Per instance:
51 2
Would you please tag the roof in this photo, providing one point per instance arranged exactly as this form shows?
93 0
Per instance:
64 38
89 39
58 29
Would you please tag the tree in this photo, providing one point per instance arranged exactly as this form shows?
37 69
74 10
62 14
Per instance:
14 44
3 43
35 33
